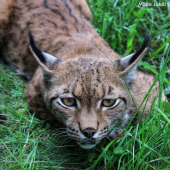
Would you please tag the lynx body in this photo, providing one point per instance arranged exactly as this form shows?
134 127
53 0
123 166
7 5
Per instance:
71 80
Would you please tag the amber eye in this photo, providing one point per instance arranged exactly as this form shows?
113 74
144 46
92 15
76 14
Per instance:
69 101
108 102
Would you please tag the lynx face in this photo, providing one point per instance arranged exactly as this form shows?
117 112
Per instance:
87 99
87 93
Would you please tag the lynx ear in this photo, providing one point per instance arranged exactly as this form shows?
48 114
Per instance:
45 60
127 65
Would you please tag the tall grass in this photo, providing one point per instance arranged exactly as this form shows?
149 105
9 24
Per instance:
28 143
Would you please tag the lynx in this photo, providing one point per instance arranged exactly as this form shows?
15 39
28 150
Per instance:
75 78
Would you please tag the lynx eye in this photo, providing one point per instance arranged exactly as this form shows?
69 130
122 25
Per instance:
109 102
69 101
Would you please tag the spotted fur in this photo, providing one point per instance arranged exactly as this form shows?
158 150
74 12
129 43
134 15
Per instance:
68 60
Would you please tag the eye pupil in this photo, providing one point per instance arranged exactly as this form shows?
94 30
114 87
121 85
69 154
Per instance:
70 99
109 100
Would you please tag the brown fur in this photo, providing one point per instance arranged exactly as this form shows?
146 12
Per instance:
81 70
5 13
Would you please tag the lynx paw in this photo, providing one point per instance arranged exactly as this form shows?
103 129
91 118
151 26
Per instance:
83 7
116 134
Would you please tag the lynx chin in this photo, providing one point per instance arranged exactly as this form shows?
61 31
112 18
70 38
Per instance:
70 80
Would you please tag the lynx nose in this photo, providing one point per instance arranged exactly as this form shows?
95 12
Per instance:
89 132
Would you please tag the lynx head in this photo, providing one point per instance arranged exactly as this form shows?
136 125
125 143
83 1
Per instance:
87 93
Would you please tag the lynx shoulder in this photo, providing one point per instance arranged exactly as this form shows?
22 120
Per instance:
70 78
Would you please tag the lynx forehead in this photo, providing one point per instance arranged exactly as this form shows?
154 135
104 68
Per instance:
71 80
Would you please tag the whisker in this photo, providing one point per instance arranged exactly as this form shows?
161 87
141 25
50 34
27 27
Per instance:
62 128
62 133
108 138
67 139
62 136
58 130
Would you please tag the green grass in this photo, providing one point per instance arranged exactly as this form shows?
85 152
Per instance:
28 143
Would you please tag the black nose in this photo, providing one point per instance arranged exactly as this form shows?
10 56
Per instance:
89 132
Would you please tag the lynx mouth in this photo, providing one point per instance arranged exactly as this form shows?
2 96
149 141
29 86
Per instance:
88 144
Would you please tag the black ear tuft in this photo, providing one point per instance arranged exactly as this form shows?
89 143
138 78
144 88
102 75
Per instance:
35 49
144 45
146 40
31 38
